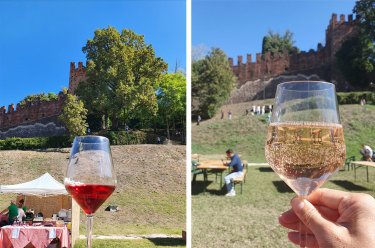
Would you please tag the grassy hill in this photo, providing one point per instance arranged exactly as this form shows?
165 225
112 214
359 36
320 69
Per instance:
151 190
247 134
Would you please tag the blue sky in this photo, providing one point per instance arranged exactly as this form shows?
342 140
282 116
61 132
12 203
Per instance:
38 39
238 27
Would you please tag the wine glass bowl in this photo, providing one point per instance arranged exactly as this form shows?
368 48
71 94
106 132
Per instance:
305 142
90 177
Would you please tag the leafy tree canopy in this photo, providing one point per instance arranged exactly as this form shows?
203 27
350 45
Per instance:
212 82
356 57
277 43
122 75
171 96
74 116
43 97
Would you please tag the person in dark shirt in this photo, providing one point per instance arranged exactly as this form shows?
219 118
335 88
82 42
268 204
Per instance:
236 165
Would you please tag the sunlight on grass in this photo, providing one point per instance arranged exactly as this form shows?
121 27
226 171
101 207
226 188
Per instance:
251 219
141 243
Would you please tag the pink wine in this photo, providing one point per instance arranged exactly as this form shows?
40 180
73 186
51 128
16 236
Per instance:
305 154
90 196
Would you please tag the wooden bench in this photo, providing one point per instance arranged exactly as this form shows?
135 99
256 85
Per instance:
242 179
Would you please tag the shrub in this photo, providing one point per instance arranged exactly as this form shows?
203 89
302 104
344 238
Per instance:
130 138
34 143
355 97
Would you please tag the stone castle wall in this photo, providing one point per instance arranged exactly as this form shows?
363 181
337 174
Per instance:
30 113
39 118
319 61
76 75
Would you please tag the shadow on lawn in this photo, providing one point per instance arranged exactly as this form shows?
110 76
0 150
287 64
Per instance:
265 169
168 241
349 185
282 187
198 187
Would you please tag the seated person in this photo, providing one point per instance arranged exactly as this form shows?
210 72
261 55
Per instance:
11 211
236 164
366 153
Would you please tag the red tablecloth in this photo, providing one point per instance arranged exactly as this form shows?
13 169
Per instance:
38 236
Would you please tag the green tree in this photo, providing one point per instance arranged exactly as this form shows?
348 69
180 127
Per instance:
277 43
42 97
212 82
172 99
74 116
356 57
122 73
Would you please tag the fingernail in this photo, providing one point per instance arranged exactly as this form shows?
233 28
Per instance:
298 203
301 204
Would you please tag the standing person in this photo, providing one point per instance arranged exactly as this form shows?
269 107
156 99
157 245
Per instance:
21 212
21 204
366 153
258 110
229 115
199 120
222 114
158 140
236 164
11 211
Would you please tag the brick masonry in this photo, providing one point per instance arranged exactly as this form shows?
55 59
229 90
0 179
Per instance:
38 118
320 63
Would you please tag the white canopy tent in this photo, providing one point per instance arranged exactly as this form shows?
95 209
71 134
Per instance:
45 185
48 188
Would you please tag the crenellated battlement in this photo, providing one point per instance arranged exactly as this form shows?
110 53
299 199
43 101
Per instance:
30 112
335 22
317 61
38 111
76 75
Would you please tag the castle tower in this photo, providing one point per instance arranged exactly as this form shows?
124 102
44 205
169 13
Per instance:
76 75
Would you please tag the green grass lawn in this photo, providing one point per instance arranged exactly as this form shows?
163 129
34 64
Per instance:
247 134
138 243
251 219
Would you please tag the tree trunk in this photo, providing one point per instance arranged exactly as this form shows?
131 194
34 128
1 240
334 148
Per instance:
168 135
103 122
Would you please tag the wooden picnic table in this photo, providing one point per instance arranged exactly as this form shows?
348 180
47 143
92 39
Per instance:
359 164
216 166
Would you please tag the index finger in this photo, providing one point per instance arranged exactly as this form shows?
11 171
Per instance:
327 197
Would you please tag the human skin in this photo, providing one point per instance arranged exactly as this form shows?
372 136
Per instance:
331 218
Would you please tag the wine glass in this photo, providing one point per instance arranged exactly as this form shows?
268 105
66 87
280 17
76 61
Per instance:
305 142
90 177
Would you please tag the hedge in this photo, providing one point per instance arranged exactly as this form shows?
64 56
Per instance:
130 138
355 97
35 143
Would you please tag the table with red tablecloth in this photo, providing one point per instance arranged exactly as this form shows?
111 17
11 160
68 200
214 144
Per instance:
38 236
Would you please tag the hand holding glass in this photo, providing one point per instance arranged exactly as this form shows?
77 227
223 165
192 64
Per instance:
305 143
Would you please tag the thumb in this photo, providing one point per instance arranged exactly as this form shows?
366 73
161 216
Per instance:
311 217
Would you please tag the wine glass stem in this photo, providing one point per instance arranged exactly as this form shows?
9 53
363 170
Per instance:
302 233
89 223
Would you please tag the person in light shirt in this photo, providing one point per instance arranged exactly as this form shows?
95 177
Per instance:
21 212
366 153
